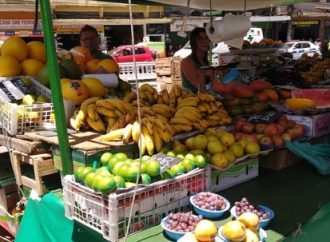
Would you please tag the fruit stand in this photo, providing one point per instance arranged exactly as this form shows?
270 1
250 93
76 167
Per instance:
145 160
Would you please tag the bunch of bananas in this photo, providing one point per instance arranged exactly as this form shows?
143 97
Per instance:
150 135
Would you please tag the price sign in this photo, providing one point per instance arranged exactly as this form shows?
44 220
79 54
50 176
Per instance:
265 117
165 161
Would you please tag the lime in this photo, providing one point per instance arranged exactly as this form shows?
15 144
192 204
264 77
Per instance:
96 180
131 173
128 161
181 156
145 179
116 167
171 153
157 178
177 169
188 165
107 184
152 168
143 167
105 158
135 163
89 179
77 173
145 158
200 161
112 161
168 174
123 171
121 156
120 182
164 150
197 152
84 172
190 156
104 173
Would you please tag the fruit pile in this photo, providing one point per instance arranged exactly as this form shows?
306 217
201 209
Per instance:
182 222
269 135
219 145
247 98
245 206
209 201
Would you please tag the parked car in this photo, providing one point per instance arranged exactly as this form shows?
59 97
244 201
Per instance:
298 48
124 53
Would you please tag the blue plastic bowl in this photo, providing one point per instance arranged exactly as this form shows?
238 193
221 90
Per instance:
174 235
263 222
209 213
262 235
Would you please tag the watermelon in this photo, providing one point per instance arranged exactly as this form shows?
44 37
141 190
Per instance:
321 96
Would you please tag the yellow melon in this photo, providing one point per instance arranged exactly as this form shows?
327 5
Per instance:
14 47
95 86
31 67
75 91
92 66
37 50
205 231
107 65
9 66
299 103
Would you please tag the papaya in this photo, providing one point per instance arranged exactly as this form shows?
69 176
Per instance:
299 103
259 85
241 90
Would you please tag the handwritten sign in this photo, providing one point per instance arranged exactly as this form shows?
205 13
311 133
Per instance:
166 161
265 117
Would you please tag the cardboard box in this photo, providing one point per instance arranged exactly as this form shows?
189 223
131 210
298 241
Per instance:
9 197
278 160
84 158
315 125
239 173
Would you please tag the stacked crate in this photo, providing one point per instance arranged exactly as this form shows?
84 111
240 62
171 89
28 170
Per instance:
176 71
168 71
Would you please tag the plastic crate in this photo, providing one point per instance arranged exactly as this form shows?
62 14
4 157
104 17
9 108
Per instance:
17 119
108 214
69 106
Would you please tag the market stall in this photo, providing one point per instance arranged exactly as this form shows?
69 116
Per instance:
142 158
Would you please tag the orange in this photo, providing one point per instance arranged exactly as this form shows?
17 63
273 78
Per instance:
108 66
14 47
9 66
92 66
95 86
31 67
81 54
37 50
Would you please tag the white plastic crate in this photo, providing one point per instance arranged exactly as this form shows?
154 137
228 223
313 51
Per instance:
145 71
69 106
17 119
108 214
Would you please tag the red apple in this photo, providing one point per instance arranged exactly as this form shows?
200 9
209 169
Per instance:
286 137
252 138
239 123
283 118
292 133
260 128
278 141
290 123
266 141
238 136
299 129
248 128
280 129
271 129
283 123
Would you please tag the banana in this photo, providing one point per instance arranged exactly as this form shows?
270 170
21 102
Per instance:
181 128
159 100
165 96
202 108
148 140
105 104
172 100
190 116
91 112
123 107
147 110
192 110
97 125
213 106
149 125
82 114
119 113
147 88
218 103
181 121
131 117
158 142
106 112
110 123
198 125
150 98
204 123
113 135
136 130
127 133
177 90
130 97
74 124
142 144
120 123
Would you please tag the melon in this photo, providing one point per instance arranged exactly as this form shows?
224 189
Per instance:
43 75
95 86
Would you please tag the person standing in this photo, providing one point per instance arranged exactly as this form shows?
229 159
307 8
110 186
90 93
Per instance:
199 43
89 38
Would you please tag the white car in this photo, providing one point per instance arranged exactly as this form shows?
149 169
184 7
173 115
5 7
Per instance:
298 48
220 48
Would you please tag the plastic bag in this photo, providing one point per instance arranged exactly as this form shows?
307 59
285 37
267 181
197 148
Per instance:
318 155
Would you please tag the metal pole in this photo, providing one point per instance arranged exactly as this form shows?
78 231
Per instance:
55 85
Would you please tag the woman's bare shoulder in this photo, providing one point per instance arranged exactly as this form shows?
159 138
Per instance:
187 61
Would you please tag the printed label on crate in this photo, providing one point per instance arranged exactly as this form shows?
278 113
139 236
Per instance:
166 161
265 117
13 90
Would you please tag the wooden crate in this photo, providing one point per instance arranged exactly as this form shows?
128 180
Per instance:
42 165
176 70
164 79
164 66
278 160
